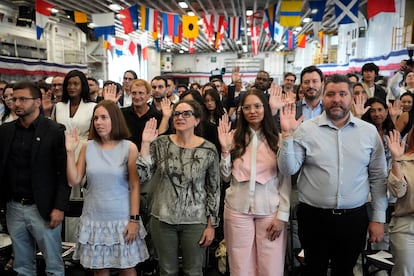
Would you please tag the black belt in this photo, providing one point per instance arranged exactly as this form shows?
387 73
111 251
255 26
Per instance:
336 212
24 200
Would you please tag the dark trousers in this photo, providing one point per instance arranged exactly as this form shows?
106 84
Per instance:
330 239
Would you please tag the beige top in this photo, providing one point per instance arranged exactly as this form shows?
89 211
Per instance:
403 189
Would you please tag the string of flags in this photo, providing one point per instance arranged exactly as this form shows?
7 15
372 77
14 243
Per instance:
216 27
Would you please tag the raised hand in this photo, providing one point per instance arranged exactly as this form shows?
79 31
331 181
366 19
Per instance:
395 145
225 134
109 93
166 107
235 74
150 131
288 122
276 100
71 139
358 104
394 110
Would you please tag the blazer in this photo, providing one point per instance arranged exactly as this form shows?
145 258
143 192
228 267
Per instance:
48 166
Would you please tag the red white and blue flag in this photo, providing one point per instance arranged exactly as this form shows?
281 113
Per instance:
43 11
129 19
104 23
233 27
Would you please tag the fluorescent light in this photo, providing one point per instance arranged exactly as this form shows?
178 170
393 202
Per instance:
298 29
249 12
190 13
314 11
244 47
183 5
306 20
238 42
181 52
115 7
168 50
54 10
91 25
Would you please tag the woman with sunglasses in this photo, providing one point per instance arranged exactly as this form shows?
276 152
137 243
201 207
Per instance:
183 171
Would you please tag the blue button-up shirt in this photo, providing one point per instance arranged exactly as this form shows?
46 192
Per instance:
339 166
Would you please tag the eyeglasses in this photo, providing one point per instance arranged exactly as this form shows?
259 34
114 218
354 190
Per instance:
7 96
22 99
247 108
128 79
185 114
159 87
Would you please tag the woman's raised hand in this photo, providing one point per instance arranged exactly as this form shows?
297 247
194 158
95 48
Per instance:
71 139
109 93
150 131
395 145
358 104
276 100
225 134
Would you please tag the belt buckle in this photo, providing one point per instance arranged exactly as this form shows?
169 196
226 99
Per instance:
336 212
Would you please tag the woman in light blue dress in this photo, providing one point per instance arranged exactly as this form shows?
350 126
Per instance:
110 233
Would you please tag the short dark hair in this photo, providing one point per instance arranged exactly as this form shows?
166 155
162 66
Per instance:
311 69
118 86
182 86
119 128
338 78
33 88
350 75
132 72
160 78
289 74
94 80
370 66
198 113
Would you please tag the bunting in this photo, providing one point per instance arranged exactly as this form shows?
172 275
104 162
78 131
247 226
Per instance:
290 12
270 13
171 22
179 37
107 43
319 7
119 45
149 19
211 25
346 11
129 19
104 23
233 27
290 40
302 41
278 32
376 7
43 11
220 33
80 19
255 39
190 26
132 47
191 45
266 27
144 46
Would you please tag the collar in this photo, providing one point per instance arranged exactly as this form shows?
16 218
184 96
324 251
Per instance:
33 125
323 120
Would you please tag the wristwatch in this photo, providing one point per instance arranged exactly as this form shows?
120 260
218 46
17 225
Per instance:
134 217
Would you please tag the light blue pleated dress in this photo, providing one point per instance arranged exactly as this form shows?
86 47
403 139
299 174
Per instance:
106 212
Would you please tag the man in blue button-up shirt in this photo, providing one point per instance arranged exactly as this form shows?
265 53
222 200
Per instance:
341 160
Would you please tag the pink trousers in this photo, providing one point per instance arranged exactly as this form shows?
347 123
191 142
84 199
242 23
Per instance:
250 252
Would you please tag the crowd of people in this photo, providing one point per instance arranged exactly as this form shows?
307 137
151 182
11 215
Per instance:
167 170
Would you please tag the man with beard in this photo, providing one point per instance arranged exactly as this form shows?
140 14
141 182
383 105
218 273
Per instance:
289 80
159 91
311 79
57 88
336 175
262 81
33 182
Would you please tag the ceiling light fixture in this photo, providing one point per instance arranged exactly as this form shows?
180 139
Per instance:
183 5
314 11
115 7
249 12
244 47
306 20
181 52
54 10
190 13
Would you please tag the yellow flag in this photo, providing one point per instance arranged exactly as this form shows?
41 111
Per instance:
190 26
80 17
290 12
